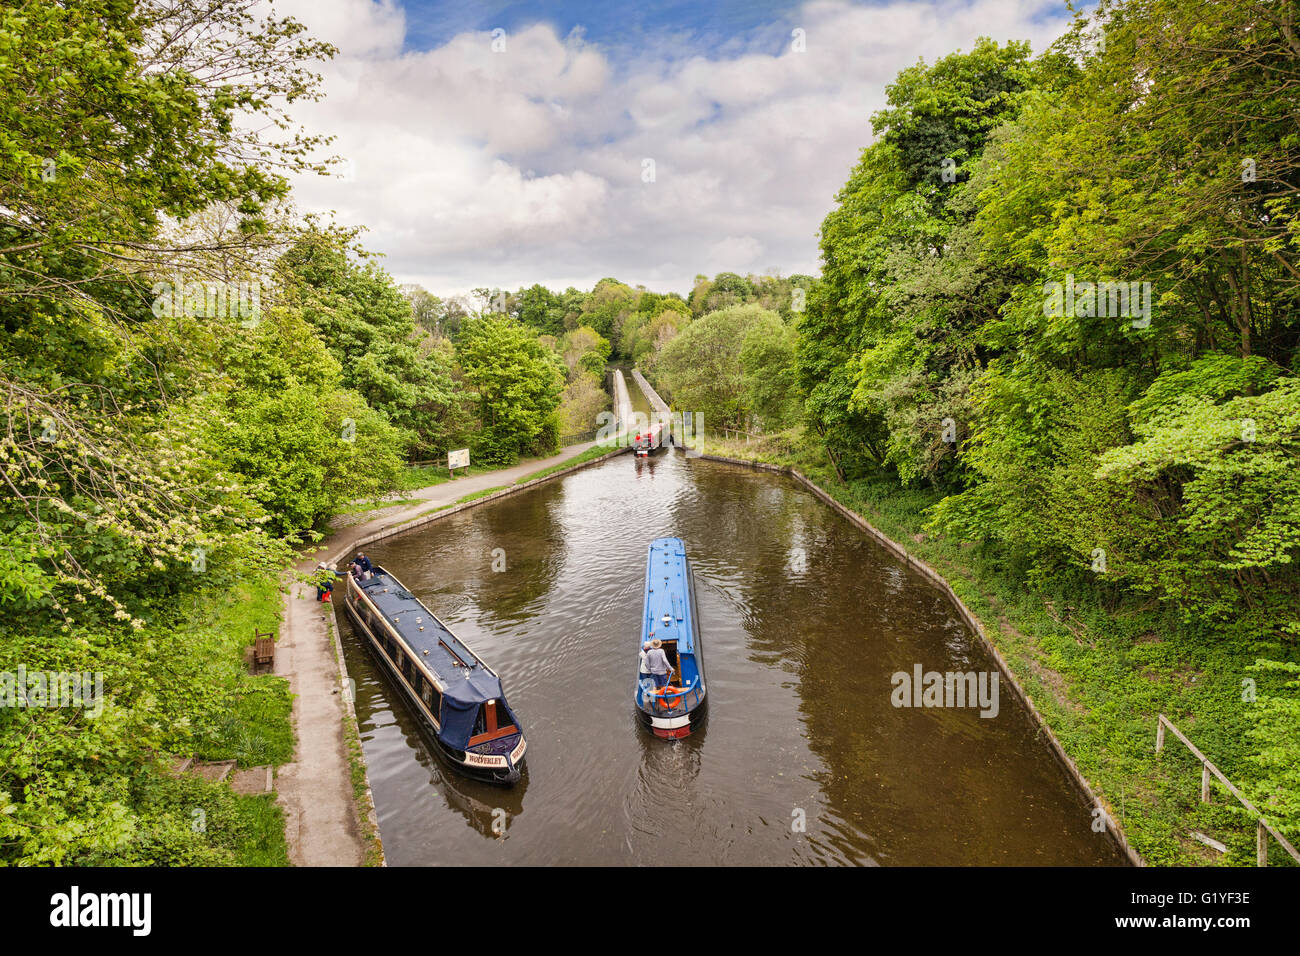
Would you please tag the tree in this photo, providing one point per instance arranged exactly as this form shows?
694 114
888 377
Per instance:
518 383
541 309
370 329
607 306
771 385
585 351
701 368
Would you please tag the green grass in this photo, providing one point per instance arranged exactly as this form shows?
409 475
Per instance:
255 726
357 507
595 451
413 478
422 514
588 455
263 842
1099 670
473 495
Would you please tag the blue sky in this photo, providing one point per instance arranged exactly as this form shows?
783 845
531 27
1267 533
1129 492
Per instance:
647 141
622 27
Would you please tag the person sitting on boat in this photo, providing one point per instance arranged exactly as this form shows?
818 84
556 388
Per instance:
656 662
360 567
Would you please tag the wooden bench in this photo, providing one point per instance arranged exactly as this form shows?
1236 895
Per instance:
263 650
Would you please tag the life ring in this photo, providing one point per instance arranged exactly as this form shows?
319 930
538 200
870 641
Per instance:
662 694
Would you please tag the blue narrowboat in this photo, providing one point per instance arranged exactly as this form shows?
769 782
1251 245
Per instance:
670 618
456 696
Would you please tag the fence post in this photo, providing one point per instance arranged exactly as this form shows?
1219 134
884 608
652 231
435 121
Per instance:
1261 844
1160 733
1205 782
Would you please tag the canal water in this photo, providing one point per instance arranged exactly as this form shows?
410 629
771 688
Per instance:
803 758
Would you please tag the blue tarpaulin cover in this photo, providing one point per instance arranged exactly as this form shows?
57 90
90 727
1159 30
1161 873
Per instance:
460 704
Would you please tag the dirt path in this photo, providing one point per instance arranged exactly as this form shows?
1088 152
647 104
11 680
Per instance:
315 790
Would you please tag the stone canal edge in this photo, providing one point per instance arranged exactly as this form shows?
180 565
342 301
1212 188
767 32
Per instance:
325 793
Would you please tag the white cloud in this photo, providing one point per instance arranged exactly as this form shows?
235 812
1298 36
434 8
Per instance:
473 167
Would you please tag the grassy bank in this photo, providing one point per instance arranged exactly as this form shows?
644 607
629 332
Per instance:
256 727
1098 673
595 451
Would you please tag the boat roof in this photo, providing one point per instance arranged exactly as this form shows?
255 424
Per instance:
668 591
461 672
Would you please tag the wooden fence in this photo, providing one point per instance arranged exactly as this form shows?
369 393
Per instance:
442 462
1262 828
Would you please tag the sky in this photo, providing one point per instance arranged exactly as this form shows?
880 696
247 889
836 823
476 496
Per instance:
498 144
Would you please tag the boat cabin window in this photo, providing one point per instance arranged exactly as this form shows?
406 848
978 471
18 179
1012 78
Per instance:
432 699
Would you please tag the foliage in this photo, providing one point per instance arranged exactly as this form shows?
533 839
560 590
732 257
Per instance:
701 367
518 382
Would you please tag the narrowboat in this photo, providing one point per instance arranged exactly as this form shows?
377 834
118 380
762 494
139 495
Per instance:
670 618
648 440
455 695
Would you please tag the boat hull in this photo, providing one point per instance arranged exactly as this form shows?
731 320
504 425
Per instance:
675 726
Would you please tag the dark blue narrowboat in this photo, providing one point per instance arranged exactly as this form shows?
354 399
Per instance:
456 696
670 619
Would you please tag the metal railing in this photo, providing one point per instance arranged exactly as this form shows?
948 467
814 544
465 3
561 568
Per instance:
1262 828
579 437
685 699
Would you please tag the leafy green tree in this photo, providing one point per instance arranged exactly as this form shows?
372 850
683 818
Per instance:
305 444
585 351
369 327
768 366
582 400
541 309
607 306
518 383
701 367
